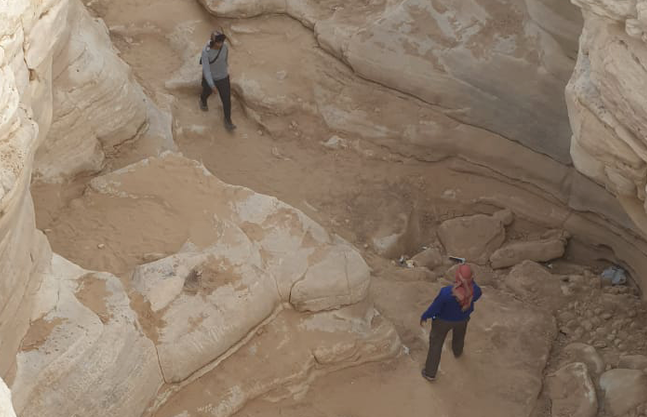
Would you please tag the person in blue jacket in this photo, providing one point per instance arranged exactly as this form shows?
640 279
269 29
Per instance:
450 311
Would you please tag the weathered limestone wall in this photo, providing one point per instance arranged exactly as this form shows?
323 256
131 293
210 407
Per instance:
606 101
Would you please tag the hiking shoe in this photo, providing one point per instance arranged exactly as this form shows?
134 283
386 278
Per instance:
427 377
229 126
203 105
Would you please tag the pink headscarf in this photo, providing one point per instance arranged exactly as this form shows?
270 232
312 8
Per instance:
463 289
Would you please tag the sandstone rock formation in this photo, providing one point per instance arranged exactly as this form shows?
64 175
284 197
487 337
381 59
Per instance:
437 41
605 104
42 42
246 265
572 393
6 407
86 349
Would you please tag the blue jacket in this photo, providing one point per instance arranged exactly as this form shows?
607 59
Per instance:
445 306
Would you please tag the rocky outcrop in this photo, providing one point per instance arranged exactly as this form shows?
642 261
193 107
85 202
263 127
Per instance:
85 351
96 105
246 262
501 41
49 50
607 110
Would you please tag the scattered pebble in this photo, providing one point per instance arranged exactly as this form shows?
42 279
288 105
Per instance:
101 246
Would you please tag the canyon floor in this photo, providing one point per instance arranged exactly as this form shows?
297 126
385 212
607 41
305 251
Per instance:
514 340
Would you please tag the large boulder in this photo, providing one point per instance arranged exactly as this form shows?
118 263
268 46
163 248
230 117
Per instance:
571 392
624 390
532 282
474 238
84 318
501 41
546 249
586 354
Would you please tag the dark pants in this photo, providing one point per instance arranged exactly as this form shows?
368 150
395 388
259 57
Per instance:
224 90
439 330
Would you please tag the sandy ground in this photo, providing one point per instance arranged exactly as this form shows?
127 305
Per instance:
349 192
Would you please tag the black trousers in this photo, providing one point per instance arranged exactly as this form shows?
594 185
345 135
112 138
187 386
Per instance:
439 330
224 91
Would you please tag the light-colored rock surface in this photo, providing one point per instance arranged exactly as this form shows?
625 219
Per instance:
436 43
36 49
329 99
474 238
6 407
84 350
547 249
283 357
580 352
313 270
624 389
247 254
607 111
571 392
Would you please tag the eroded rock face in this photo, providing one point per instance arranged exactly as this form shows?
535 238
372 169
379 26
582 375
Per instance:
85 349
6 407
42 42
474 238
500 40
607 110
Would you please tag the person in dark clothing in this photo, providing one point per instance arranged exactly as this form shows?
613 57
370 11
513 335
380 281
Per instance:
450 310
215 75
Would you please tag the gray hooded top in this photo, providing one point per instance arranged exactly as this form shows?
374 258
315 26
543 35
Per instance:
214 69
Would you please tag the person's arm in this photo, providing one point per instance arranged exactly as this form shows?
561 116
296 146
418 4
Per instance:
206 69
477 293
434 309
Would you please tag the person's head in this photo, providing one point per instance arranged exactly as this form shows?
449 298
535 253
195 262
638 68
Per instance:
464 273
217 39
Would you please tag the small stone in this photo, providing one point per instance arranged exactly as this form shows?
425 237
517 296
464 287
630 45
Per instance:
607 316
101 246
335 143
600 344
588 326
281 75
